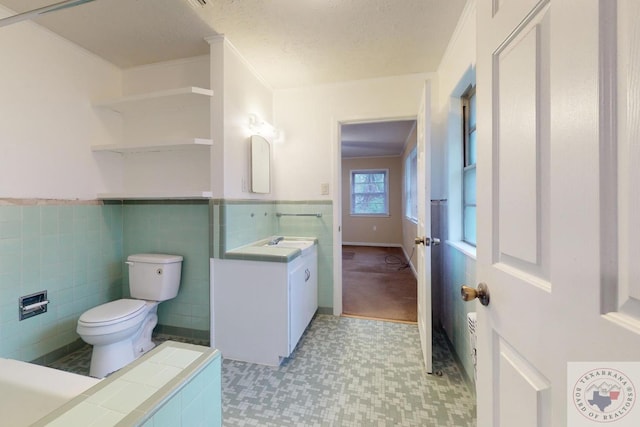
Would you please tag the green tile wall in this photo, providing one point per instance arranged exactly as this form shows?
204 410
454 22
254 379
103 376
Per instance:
459 269
77 253
242 222
237 223
72 251
180 229
322 228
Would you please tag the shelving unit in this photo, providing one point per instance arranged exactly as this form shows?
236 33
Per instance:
168 145
187 195
165 147
186 97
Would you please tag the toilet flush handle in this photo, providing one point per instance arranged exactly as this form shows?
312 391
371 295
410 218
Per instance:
128 262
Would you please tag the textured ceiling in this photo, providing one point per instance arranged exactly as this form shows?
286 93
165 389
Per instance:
376 139
289 42
299 42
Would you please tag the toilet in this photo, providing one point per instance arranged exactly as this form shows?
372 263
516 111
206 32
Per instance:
120 331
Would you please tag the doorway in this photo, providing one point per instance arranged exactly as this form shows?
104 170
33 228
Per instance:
378 273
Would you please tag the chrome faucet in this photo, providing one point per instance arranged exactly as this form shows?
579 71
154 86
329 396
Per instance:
275 240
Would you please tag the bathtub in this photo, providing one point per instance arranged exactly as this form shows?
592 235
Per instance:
28 392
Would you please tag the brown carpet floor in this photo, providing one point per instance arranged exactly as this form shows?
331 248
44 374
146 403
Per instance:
375 285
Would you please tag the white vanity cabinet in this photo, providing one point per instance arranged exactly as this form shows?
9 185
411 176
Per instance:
261 308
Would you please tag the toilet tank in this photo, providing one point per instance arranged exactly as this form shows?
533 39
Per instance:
154 277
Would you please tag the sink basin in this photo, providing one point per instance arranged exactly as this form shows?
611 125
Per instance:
303 245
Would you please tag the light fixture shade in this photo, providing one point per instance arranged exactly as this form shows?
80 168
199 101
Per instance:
258 126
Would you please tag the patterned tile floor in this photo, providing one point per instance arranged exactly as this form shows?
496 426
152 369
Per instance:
350 372
344 372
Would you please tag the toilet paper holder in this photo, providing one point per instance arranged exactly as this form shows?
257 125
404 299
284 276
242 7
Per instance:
32 305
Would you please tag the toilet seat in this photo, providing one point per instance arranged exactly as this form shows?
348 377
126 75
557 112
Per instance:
112 312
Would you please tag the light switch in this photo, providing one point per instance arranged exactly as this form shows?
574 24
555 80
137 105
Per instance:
324 189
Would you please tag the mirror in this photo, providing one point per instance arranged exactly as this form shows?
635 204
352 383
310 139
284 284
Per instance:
260 164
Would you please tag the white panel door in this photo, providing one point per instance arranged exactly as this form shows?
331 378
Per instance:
558 200
423 248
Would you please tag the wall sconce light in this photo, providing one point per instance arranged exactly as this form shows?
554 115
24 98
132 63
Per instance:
258 126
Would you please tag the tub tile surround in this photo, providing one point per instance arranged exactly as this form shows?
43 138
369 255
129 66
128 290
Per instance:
74 251
236 223
173 384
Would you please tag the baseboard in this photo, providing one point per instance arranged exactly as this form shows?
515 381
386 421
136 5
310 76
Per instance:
378 245
183 332
325 310
59 353
355 316
413 269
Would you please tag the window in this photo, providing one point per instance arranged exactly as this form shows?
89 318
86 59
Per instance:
469 167
370 192
411 186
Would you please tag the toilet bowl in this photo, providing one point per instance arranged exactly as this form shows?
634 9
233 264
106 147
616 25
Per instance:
120 331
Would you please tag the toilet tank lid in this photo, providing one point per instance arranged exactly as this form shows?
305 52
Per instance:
155 258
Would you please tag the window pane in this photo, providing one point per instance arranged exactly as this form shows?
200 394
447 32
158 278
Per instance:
469 232
369 192
472 111
471 149
368 188
469 171
411 185
469 186
370 204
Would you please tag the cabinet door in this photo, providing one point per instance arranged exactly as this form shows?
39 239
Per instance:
302 300
311 300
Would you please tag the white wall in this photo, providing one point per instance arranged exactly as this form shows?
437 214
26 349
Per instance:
310 155
47 123
239 91
309 117
167 75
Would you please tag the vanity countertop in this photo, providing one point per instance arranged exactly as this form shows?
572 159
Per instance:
260 251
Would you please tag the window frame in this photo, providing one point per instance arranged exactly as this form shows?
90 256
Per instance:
468 167
352 194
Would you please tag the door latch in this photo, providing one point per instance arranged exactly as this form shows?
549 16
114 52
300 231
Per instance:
427 241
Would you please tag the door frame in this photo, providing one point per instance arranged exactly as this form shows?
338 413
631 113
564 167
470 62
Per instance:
336 125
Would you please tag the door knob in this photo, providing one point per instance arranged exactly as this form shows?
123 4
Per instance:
482 293
427 241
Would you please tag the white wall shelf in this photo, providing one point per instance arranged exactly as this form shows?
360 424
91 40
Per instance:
168 145
157 196
181 98
164 145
